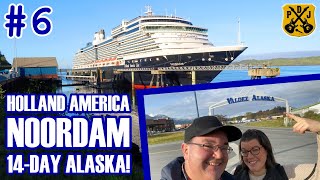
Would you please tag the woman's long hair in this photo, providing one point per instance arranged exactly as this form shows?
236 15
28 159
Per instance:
263 140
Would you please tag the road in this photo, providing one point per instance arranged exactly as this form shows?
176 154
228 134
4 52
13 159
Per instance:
289 148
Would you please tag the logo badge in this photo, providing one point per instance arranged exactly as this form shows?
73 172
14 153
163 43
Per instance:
298 19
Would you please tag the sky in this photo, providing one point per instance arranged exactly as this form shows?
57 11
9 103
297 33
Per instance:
182 105
75 22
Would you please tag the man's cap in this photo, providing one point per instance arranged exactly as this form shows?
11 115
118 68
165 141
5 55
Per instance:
208 124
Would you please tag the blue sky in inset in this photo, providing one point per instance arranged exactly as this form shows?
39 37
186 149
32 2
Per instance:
182 105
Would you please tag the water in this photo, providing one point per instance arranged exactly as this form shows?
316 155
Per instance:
231 75
226 75
67 90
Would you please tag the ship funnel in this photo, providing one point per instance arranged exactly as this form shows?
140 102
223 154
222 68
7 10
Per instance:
102 34
98 37
148 11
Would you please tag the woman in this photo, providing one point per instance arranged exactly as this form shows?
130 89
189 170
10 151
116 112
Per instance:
258 162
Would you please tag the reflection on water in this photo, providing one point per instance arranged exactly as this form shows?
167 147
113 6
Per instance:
67 90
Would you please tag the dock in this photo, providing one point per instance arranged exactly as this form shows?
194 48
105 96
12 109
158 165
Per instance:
257 73
95 76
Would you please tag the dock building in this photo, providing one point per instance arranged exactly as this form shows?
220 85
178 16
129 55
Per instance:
36 67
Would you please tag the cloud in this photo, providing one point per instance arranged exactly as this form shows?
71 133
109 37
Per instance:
183 105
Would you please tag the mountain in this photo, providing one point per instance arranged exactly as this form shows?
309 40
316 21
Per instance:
176 120
302 61
158 116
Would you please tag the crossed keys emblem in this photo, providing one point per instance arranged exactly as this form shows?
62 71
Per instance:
299 19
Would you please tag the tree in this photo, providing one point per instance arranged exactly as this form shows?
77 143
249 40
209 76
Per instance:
311 115
250 115
222 118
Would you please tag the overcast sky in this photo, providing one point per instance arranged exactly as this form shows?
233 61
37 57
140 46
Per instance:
182 105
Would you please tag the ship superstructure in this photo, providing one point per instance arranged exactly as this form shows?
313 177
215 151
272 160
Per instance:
155 41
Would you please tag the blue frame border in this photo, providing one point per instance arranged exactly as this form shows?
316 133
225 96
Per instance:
174 89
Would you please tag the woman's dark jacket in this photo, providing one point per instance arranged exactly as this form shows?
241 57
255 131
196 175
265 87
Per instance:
274 173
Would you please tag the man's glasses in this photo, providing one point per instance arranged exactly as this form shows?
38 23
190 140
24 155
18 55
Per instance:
212 148
254 151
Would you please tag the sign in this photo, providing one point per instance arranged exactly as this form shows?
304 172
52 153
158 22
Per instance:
233 100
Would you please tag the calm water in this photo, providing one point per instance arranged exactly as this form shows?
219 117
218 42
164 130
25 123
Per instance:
230 75
226 75
67 90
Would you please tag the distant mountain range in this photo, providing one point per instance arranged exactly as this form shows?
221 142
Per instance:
297 54
161 116
302 61
158 116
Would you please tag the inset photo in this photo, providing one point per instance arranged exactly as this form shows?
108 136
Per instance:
245 129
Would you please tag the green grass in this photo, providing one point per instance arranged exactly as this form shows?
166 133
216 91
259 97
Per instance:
166 137
277 123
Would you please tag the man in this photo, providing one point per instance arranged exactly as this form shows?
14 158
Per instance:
205 151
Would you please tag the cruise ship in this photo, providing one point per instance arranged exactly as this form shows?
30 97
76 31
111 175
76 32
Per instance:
153 41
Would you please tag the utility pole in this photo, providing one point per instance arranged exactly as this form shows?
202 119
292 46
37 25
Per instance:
195 98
